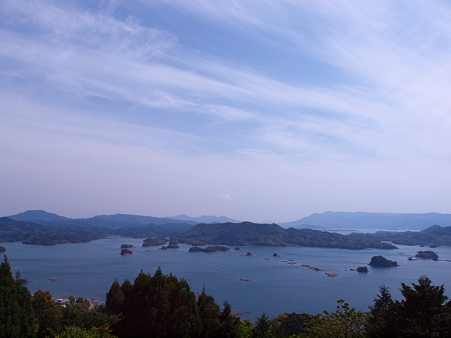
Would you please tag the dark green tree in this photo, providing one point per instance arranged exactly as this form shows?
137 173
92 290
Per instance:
345 322
82 315
157 305
16 313
115 299
262 327
48 314
289 324
422 313
230 325
209 313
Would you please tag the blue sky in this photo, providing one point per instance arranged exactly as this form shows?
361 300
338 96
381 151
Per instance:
265 111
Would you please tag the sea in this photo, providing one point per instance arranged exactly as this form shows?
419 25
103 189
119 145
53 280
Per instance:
252 284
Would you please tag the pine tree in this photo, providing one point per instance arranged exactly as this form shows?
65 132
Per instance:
16 313
422 313
48 314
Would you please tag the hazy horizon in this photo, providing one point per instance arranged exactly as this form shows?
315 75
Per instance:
264 111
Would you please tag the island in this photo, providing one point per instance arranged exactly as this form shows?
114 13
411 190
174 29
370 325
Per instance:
382 262
2 249
154 241
255 234
209 249
126 252
126 246
362 269
433 236
427 255
173 244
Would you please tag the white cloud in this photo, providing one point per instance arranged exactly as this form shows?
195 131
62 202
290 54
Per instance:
226 197
99 83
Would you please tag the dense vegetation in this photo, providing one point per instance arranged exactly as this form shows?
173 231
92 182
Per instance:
247 234
427 255
164 306
209 249
241 234
153 230
30 233
154 241
432 236
382 262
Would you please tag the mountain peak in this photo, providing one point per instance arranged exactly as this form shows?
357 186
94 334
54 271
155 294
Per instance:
42 215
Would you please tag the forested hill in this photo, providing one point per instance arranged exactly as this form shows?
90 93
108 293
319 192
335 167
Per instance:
432 236
111 221
30 233
247 233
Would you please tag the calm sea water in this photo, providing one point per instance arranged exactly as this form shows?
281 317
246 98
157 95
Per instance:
88 269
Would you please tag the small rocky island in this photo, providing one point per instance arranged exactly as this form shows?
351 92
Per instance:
362 269
126 246
426 255
173 244
382 262
126 252
2 249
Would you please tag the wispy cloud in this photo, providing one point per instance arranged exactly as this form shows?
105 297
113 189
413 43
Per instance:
108 77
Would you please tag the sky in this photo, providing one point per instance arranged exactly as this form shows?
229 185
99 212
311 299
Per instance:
265 111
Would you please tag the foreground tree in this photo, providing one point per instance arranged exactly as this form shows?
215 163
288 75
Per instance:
16 314
78 332
161 306
344 322
291 324
422 313
48 314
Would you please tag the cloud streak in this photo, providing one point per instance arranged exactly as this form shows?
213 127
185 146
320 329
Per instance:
100 80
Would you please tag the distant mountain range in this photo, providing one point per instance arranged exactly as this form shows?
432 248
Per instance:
367 220
112 221
41 227
325 221
205 219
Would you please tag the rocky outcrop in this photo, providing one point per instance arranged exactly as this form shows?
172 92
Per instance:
381 261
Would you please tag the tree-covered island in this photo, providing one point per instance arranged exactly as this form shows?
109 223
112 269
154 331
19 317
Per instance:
234 234
382 262
254 234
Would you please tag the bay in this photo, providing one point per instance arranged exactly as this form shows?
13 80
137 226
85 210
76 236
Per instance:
277 284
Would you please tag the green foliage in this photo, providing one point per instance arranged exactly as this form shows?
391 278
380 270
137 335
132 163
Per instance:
434 236
81 314
422 313
48 314
344 322
290 324
154 241
161 305
78 332
262 327
209 313
30 233
16 313
381 261
154 230
209 249
427 255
